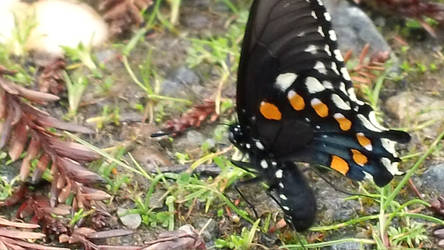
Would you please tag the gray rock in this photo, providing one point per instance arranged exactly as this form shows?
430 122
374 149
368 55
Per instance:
332 206
131 221
195 138
209 225
186 76
157 199
8 172
416 108
181 83
195 21
354 28
433 179
347 246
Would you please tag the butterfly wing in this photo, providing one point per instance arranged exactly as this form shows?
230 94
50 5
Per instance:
295 99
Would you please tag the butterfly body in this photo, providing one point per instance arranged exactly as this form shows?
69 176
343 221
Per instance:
295 102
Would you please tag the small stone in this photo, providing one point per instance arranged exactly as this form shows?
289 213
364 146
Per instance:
416 108
210 227
131 221
332 206
179 83
354 28
157 199
195 138
346 246
433 179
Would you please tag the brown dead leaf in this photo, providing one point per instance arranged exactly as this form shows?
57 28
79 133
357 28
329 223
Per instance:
51 77
183 238
94 194
76 172
32 95
43 119
20 234
122 15
193 118
16 244
18 141
73 150
7 223
33 150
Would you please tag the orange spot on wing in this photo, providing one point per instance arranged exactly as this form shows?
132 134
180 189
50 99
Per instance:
296 101
320 108
270 111
359 158
344 123
339 164
363 140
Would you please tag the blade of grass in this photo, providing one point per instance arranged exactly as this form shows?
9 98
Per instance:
108 156
412 171
331 243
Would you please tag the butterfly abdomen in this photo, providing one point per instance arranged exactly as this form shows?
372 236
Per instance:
293 195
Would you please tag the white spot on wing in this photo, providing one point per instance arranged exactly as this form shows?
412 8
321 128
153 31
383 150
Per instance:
389 145
367 123
264 164
374 121
327 84
279 173
338 55
338 116
320 31
320 67
283 197
315 101
259 145
332 35
352 95
313 14
286 208
284 81
392 167
368 176
337 100
342 87
311 49
369 147
313 85
327 16
327 49
345 74
281 185
335 68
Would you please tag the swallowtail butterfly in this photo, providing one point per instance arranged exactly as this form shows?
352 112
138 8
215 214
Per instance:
296 103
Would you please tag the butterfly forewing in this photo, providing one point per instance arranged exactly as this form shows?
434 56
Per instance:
287 36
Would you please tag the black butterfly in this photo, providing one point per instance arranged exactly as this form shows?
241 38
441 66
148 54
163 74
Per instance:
295 102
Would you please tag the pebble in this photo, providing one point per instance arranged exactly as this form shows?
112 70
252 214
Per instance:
131 221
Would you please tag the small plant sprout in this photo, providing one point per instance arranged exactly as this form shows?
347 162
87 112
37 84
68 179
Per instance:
75 88
83 55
